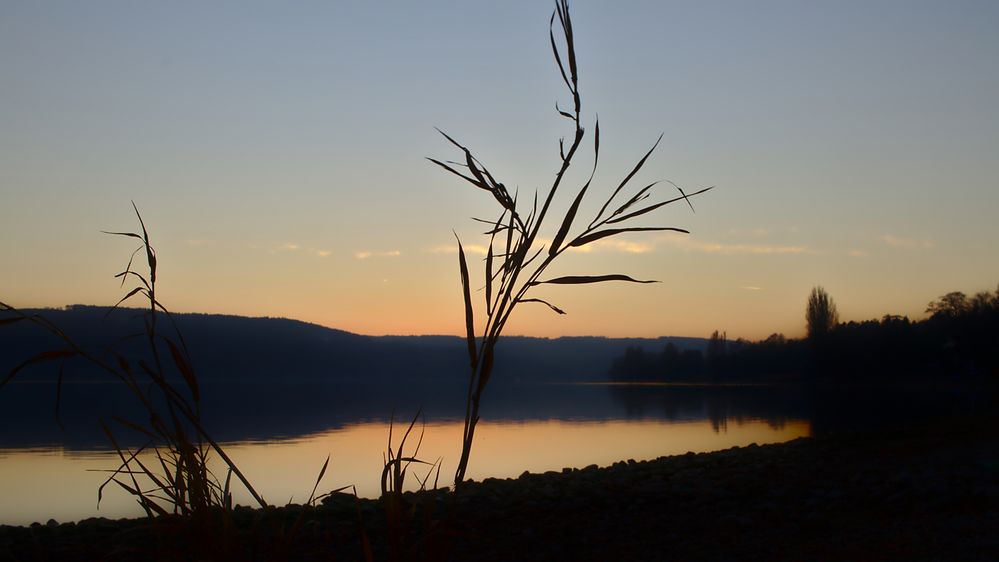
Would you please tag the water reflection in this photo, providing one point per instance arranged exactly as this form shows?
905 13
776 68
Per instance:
259 412
39 484
280 434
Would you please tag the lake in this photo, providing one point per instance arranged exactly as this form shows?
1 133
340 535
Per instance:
280 434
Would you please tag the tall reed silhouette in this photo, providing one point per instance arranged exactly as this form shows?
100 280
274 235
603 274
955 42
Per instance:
517 257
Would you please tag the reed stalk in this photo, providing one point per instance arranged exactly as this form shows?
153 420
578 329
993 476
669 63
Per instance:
517 257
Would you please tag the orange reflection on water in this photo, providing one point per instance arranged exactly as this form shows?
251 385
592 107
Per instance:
38 485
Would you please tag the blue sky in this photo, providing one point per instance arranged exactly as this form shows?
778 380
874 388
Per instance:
277 153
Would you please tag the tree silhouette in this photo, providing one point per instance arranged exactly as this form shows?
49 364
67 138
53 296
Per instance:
820 315
951 305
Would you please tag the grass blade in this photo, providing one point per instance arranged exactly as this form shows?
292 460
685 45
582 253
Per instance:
184 366
489 277
657 205
570 215
322 472
550 305
584 279
40 358
593 237
469 318
459 174
629 176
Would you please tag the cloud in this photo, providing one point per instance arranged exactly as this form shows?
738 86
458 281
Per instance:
758 232
364 254
857 253
469 249
292 247
631 247
606 245
624 246
752 288
903 242
692 245
288 247
762 231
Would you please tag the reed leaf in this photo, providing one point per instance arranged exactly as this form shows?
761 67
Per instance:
185 369
651 208
570 215
322 472
638 197
520 266
130 294
489 276
558 59
550 305
42 357
460 175
469 318
585 279
593 237
630 175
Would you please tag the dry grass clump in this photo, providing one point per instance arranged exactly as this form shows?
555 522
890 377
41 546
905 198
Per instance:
192 508
179 480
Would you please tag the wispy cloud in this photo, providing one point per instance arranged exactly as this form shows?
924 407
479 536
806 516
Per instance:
293 248
632 247
857 253
365 254
752 288
624 246
691 245
469 249
762 231
286 247
903 242
758 232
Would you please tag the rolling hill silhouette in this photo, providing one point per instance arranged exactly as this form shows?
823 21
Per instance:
236 348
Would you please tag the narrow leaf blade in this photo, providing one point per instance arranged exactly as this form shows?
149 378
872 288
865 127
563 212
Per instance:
469 315
584 240
186 371
584 279
550 305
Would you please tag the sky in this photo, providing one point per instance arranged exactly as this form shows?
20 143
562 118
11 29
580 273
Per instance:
277 154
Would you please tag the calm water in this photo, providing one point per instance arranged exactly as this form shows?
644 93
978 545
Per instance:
280 435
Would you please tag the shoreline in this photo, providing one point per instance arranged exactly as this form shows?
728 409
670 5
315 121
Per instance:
929 491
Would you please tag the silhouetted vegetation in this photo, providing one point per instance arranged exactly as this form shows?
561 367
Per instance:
174 477
960 338
518 257
820 315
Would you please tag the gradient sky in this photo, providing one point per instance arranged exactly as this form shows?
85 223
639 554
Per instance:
277 152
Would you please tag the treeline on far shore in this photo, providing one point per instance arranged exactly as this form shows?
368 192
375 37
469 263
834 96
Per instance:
959 339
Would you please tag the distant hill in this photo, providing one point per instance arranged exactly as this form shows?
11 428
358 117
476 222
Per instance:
260 349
